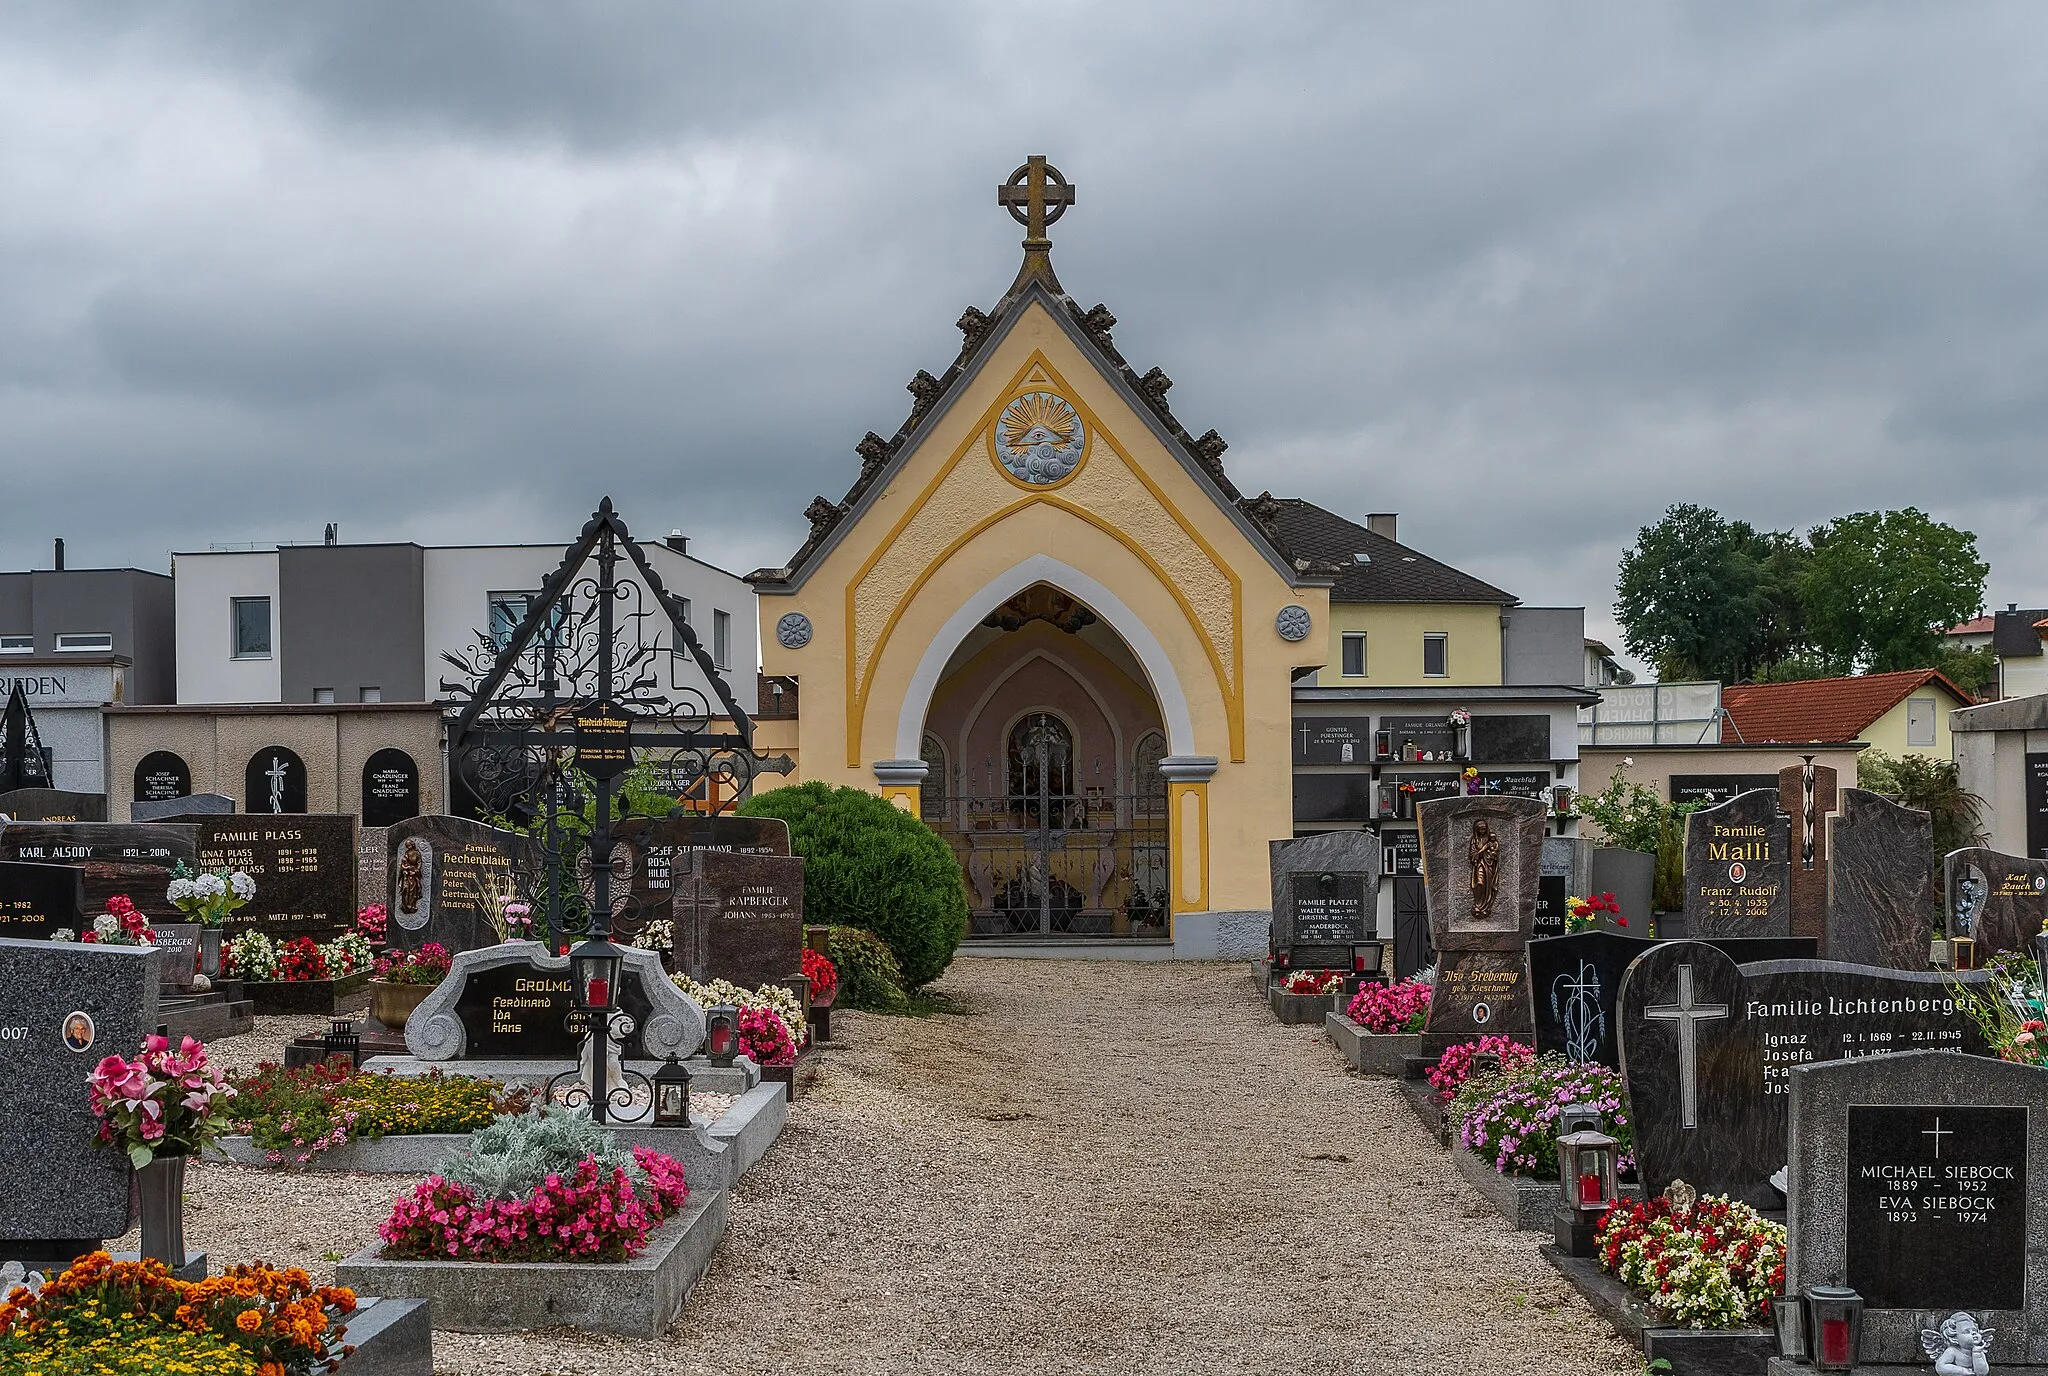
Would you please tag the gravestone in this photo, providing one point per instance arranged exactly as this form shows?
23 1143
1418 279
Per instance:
740 917
36 900
1999 901
655 842
391 788
1480 859
1738 868
449 879
1332 740
304 867
1880 882
1631 876
373 873
1566 870
64 1007
1325 898
126 858
189 805
1807 794
53 805
1774 1015
1420 740
274 782
1911 1181
509 1002
160 776
1575 981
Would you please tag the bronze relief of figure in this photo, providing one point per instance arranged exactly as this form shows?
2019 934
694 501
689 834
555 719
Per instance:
409 878
1485 851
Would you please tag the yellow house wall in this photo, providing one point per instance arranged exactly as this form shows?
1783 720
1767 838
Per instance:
1888 732
1393 643
950 522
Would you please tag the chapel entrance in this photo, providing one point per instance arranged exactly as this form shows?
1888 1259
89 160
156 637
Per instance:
1043 744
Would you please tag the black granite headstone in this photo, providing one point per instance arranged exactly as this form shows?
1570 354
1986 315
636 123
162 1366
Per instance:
53 805
36 900
739 917
659 847
449 879
1880 882
391 788
1325 898
1514 738
1937 1212
2037 804
1998 901
520 1012
160 776
274 782
1422 740
131 859
304 867
1738 859
1332 740
1709 790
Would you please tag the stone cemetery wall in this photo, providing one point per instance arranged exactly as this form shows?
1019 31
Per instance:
1999 901
1325 898
1880 882
449 878
1738 875
64 1007
1912 1180
124 858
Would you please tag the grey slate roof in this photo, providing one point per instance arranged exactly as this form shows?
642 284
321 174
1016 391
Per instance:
2013 633
1394 573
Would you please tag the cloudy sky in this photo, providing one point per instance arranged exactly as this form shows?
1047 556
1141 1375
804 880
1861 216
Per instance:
1524 273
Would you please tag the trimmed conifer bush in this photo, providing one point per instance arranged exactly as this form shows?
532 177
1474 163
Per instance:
869 864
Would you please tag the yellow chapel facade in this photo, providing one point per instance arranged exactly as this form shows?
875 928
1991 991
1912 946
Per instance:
1045 620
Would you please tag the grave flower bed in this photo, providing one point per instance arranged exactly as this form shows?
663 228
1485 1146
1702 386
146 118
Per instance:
299 975
1389 1009
120 925
109 1318
779 1004
1314 982
822 976
2011 1012
1710 1263
1457 1063
545 1186
294 1114
1509 1117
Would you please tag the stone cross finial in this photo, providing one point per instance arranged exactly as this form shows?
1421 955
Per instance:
1036 195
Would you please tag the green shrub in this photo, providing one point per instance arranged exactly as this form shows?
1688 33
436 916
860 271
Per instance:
869 864
869 977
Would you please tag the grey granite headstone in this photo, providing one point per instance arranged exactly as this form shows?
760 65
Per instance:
1566 870
126 858
1880 882
1738 868
191 805
1999 901
739 917
659 851
373 859
1480 862
53 805
63 1008
1631 876
507 1002
1915 1179
449 878
1325 898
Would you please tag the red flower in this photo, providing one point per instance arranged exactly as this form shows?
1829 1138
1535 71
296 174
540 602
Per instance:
1621 922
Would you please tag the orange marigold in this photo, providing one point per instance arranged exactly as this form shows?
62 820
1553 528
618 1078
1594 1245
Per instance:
249 1320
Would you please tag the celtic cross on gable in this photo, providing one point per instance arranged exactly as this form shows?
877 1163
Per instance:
1036 195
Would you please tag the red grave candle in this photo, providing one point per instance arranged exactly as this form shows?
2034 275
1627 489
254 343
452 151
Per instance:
1589 1189
1834 1341
599 992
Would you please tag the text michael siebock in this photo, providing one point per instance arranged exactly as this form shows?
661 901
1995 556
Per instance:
1848 1008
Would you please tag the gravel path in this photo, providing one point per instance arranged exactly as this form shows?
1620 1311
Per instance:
1092 1167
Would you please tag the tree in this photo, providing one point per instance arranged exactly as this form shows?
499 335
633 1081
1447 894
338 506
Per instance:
1704 597
1881 586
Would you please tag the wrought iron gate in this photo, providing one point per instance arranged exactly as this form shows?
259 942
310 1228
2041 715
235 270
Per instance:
1049 858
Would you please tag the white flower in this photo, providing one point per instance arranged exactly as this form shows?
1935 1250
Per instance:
210 885
244 886
106 924
1628 762
182 891
63 934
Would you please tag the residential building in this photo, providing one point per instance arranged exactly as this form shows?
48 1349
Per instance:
1902 713
2018 636
2002 758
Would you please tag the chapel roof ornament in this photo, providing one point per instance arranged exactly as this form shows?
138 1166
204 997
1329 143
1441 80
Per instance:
1036 195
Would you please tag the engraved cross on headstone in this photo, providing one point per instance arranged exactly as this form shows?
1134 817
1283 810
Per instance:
1937 1132
1688 1015
1036 195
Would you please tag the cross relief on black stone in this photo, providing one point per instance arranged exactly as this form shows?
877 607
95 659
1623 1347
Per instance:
1688 1015
1036 195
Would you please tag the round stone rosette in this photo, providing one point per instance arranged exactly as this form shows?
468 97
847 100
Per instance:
793 631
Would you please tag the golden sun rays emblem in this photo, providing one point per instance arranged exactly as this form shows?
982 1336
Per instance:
1039 438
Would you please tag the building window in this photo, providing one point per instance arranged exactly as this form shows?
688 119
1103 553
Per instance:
252 627
931 794
508 609
721 639
322 696
1148 784
371 695
77 643
1354 654
684 602
1920 721
1436 655
17 644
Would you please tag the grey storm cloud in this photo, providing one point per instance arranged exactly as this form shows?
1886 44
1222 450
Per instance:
1524 273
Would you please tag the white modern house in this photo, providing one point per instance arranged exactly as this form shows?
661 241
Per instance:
335 623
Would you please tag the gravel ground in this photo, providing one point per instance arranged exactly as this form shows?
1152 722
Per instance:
1080 1170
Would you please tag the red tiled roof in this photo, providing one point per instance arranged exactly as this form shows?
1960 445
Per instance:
1821 709
1980 626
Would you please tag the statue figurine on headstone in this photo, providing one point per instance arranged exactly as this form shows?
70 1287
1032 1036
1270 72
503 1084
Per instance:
1485 869
1959 1348
409 880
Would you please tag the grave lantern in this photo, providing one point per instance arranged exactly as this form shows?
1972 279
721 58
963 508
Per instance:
672 1095
1962 953
594 967
722 1034
1788 1321
1585 1161
1834 1317
1370 960
342 1039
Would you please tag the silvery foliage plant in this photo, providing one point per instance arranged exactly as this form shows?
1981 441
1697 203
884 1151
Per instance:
517 1153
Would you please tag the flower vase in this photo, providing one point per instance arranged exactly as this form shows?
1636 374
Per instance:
160 1189
209 952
